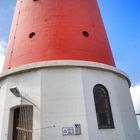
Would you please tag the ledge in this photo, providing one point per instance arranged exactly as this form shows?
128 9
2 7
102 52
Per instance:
63 63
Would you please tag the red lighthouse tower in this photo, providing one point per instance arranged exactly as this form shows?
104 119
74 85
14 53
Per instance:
59 80
45 30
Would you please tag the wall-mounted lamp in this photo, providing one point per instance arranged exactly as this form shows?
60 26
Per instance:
15 91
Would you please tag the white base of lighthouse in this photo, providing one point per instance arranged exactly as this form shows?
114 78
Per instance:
63 94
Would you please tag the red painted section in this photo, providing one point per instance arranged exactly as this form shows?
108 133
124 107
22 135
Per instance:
58 27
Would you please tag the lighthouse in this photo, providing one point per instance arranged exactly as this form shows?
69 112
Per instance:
59 80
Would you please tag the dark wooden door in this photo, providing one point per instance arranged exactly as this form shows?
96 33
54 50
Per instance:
23 122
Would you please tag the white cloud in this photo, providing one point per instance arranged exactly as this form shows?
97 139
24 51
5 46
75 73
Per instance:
135 94
2 46
1 61
2 53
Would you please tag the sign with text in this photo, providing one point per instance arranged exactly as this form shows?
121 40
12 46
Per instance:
67 131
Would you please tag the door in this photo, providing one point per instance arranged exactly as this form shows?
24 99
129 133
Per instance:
23 122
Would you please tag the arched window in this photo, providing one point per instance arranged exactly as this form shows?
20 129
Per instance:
103 108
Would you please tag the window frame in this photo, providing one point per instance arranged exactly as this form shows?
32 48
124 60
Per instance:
107 122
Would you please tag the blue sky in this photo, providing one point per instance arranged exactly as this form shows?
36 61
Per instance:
122 22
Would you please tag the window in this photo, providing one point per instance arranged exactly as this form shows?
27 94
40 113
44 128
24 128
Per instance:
32 34
85 34
103 108
23 121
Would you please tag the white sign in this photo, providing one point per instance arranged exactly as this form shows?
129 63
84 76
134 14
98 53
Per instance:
67 131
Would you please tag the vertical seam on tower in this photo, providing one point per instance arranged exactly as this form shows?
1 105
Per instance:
10 61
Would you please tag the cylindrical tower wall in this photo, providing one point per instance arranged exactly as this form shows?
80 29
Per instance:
64 97
57 30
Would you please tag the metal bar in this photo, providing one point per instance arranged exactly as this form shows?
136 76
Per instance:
28 101
24 129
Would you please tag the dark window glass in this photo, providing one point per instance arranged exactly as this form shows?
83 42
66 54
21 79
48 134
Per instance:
103 108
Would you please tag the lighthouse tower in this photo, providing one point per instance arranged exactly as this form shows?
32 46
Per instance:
59 80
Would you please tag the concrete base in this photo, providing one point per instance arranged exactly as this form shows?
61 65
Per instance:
63 93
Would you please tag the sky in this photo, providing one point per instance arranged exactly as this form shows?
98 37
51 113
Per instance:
122 22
